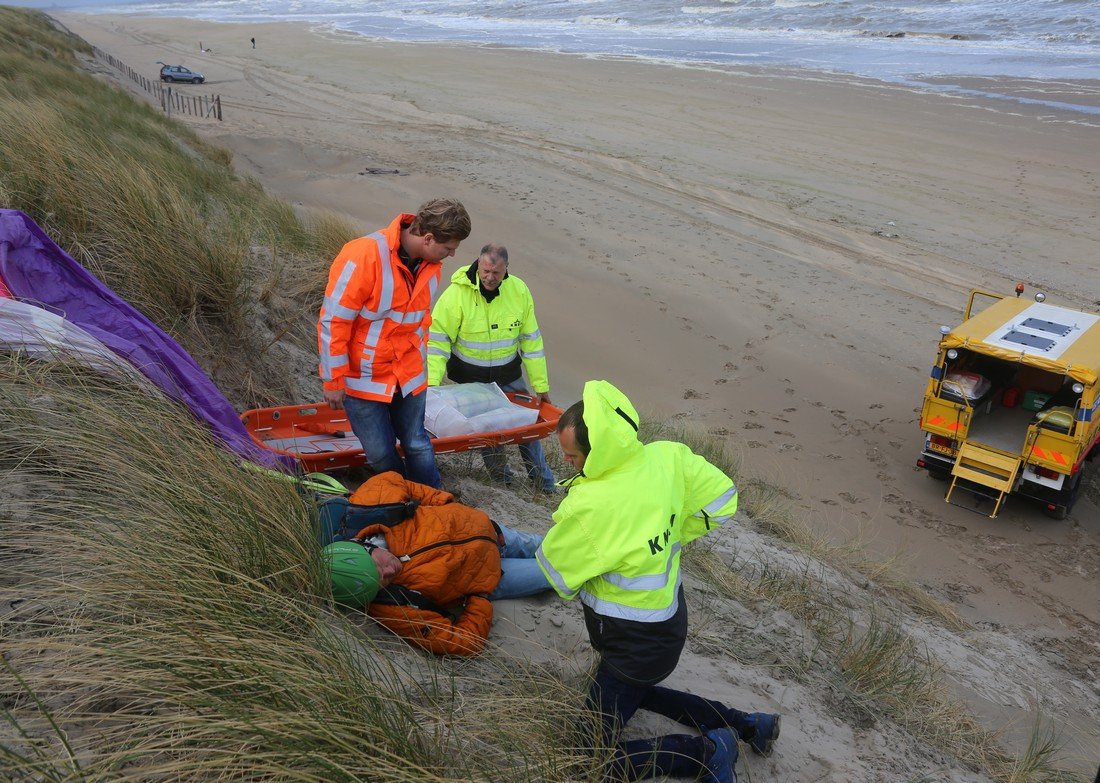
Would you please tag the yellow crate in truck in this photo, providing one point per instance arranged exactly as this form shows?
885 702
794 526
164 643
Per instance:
979 434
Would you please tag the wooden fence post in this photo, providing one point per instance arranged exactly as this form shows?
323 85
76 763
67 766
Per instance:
195 105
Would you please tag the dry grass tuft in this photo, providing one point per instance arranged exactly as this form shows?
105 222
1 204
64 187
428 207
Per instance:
166 616
153 210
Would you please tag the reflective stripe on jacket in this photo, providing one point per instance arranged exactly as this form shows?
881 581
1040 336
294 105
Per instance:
619 533
373 328
486 336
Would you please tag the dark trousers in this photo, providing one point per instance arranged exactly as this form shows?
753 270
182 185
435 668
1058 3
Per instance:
677 755
379 425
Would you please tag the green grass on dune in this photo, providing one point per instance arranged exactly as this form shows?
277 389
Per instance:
165 616
144 203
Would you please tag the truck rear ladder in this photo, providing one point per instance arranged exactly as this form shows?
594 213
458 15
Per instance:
985 467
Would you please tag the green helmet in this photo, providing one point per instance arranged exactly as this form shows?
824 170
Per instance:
353 572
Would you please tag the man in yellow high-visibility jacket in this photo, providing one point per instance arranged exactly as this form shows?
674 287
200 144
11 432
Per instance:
484 331
617 543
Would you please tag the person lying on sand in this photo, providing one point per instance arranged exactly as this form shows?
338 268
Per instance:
430 578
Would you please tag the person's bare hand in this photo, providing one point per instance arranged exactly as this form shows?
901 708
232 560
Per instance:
389 565
334 398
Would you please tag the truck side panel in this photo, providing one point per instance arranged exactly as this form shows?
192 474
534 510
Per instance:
943 417
1054 450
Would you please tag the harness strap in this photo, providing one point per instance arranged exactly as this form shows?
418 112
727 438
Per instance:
399 595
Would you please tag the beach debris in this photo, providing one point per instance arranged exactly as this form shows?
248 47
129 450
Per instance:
887 230
376 172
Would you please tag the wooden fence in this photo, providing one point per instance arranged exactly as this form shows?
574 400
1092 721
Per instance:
170 100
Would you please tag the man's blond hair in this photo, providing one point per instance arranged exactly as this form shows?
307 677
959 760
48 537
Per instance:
444 218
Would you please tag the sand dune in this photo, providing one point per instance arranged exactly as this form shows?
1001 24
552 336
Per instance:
768 255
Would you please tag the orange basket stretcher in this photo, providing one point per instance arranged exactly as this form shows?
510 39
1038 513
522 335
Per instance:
320 437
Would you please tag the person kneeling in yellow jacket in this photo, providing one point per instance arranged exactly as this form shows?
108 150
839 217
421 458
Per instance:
616 543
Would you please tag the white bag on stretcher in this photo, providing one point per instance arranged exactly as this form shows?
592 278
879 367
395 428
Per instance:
470 408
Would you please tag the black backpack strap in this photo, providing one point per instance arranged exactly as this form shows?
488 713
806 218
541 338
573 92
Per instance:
389 514
399 595
341 520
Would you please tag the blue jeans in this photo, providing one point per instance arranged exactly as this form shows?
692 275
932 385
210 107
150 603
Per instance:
677 755
379 425
522 575
531 453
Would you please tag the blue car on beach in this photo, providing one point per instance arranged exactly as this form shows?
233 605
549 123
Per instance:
178 73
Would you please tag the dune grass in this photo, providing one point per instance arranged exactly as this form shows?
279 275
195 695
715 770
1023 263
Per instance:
862 652
165 616
856 646
147 205
772 509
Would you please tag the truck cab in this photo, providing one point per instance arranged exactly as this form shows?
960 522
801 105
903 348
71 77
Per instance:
1011 404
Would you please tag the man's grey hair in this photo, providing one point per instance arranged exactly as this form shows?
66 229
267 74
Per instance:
498 253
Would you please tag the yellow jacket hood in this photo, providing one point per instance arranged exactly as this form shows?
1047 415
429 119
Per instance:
612 425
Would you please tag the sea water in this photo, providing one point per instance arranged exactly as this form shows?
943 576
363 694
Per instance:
921 44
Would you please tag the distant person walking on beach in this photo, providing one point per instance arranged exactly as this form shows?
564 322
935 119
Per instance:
373 332
484 331
253 42
617 542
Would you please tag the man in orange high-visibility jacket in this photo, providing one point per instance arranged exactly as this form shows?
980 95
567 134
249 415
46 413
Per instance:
373 333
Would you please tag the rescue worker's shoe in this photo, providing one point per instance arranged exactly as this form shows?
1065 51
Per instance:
761 732
719 768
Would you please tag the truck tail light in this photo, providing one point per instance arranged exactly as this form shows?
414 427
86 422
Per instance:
1046 473
942 441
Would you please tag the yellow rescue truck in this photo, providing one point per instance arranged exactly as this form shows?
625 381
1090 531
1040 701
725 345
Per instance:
1011 406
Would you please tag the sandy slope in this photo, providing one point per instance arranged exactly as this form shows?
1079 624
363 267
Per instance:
768 255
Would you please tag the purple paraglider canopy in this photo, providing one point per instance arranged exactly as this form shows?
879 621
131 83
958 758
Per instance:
33 267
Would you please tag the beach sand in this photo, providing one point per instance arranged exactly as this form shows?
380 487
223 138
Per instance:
767 255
